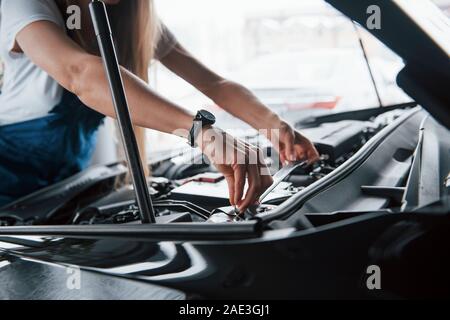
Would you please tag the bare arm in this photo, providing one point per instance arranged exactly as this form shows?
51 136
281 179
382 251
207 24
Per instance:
229 95
243 104
83 74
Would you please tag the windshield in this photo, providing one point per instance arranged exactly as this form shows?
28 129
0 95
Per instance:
298 57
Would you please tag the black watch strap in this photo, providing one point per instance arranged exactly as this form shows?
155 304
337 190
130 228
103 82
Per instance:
202 119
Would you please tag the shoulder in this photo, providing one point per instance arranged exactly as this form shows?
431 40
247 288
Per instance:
15 15
166 42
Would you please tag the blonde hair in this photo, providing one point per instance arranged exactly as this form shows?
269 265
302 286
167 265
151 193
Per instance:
136 29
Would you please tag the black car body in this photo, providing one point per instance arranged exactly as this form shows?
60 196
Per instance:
380 197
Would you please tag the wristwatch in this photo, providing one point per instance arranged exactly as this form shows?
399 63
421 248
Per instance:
202 119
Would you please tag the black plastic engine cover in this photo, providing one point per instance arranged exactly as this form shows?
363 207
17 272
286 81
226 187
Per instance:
337 140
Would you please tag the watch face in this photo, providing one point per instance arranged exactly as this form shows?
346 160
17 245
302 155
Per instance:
208 116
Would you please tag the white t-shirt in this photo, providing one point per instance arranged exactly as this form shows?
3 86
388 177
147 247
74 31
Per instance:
28 92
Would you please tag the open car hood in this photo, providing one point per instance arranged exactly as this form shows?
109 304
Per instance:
420 34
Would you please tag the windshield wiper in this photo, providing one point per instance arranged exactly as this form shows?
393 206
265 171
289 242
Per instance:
110 61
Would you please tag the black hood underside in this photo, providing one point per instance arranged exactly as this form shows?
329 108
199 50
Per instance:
420 34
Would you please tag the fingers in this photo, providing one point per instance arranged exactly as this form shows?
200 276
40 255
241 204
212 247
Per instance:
313 156
239 182
239 162
310 153
259 179
254 188
305 150
282 158
231 186
300 153
289 150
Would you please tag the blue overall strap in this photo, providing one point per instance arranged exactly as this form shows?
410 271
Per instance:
37 153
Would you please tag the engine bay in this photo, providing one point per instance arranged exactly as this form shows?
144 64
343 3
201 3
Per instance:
183 191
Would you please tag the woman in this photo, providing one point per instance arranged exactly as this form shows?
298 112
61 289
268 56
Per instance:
55 96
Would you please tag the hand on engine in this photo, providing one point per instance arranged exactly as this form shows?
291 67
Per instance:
239 162
293 146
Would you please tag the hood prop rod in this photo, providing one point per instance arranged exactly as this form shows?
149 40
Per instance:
105 40
366 59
